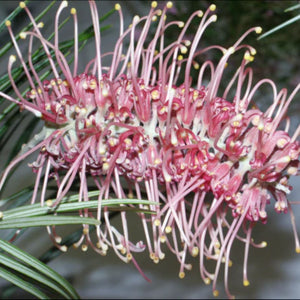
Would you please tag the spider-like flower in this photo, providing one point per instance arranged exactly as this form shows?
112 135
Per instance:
141 126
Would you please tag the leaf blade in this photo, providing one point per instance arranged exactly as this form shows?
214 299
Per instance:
41 221
41 267
14 279
284 24
17 266
38 210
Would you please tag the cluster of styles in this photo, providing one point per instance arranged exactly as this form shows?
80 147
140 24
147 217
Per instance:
211 162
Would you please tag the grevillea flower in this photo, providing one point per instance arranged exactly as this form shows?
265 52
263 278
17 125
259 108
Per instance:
141 127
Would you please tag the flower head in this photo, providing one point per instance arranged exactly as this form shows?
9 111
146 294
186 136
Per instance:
135 128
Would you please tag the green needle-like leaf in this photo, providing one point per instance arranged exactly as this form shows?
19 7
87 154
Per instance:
19 267
26 286
279 27
17 199
16 11
38 265
47 220
11 16
33 210
292 8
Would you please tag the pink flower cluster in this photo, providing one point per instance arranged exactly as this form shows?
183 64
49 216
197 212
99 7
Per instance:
209 161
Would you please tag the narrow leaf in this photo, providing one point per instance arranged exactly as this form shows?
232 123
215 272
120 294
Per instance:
11 16
26 286
46 221
17 266
9 45
292 8
38 265
279 27
24 195
38 210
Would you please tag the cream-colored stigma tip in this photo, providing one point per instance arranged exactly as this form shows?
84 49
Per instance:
170 4
73 11
258 30
154 4
181 275
212 7
200 14
117 6
231 50
264 244
154 18
214 18
7 23
253 51
22 4
136 18
297 248
195 251
64 248
65 3
180 24
49 202
22 35
12 59
58 239
84 248
216 293
183 49
157 222
246 282
168 229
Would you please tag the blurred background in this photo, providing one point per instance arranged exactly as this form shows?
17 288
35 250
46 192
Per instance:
274 272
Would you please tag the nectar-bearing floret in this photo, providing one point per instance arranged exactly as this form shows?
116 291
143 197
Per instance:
141 126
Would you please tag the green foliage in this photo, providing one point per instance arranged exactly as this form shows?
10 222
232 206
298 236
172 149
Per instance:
284 24
20 262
